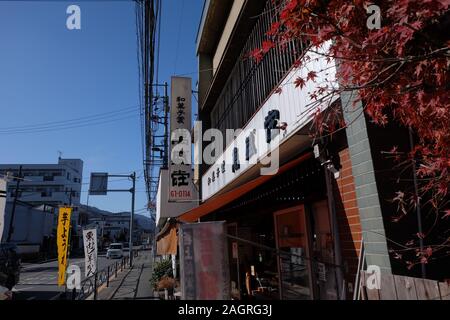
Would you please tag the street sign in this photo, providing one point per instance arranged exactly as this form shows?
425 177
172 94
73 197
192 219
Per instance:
99 184
180 172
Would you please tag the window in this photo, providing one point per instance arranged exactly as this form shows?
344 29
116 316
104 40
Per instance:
57 173
46 194
19 193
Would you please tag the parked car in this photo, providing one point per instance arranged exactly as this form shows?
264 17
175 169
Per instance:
9 265
5 294
115 251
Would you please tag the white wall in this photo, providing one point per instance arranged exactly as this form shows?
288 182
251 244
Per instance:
30 225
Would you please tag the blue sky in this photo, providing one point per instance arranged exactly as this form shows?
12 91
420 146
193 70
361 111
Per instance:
49 73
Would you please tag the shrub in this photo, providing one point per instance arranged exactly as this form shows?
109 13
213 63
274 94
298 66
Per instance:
160 270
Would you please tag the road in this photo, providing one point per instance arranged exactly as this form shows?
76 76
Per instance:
39 281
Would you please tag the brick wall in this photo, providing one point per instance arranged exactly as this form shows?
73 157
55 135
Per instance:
348 216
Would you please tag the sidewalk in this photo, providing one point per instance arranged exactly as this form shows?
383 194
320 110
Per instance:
131 284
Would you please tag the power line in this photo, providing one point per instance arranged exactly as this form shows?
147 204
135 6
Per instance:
68 127
72 124
76 120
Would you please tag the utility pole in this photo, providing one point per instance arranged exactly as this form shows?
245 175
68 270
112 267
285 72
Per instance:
71 226
166 126
133 192
13 212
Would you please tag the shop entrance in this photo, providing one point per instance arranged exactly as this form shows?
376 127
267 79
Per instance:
294 260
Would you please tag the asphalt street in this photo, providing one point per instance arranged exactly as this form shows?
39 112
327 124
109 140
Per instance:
39 281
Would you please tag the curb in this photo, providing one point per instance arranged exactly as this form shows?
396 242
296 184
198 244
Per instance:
29 264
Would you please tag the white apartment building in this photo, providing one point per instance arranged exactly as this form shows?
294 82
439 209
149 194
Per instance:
50 184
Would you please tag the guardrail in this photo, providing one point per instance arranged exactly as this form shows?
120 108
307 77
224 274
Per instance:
90 286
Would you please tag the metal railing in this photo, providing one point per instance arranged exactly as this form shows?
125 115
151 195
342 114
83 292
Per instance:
90 285
250 82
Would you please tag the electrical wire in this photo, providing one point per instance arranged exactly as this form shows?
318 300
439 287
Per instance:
72 124
97 116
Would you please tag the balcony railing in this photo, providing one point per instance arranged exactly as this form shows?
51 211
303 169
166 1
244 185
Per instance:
251 83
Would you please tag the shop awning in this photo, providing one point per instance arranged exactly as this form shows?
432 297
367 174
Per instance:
167 240
222 200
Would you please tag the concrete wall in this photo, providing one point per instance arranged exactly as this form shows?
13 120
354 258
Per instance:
367 197
205 76
227 31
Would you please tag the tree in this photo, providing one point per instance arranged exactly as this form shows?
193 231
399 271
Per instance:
400 73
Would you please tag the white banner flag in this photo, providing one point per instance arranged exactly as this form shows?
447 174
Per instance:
2 206
90 251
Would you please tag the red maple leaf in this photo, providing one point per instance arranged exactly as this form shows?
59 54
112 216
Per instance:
267 45
446 214
312 75
299 82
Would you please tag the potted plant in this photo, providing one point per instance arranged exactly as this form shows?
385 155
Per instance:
167 284
162 269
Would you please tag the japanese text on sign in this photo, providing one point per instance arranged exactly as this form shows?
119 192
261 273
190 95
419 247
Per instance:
63 242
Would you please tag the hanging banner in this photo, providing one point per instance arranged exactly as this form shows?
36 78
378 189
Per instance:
63 242
2 206
90 252
180 169
204 265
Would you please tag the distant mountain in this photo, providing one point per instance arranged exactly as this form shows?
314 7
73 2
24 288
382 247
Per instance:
144 222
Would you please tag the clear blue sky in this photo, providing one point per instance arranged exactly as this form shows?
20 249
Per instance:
49 73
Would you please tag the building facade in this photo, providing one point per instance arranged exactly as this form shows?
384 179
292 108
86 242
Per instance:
50 184
42 189
304 214
115 227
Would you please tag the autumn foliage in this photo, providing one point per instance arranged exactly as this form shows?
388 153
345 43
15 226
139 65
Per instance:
400 73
